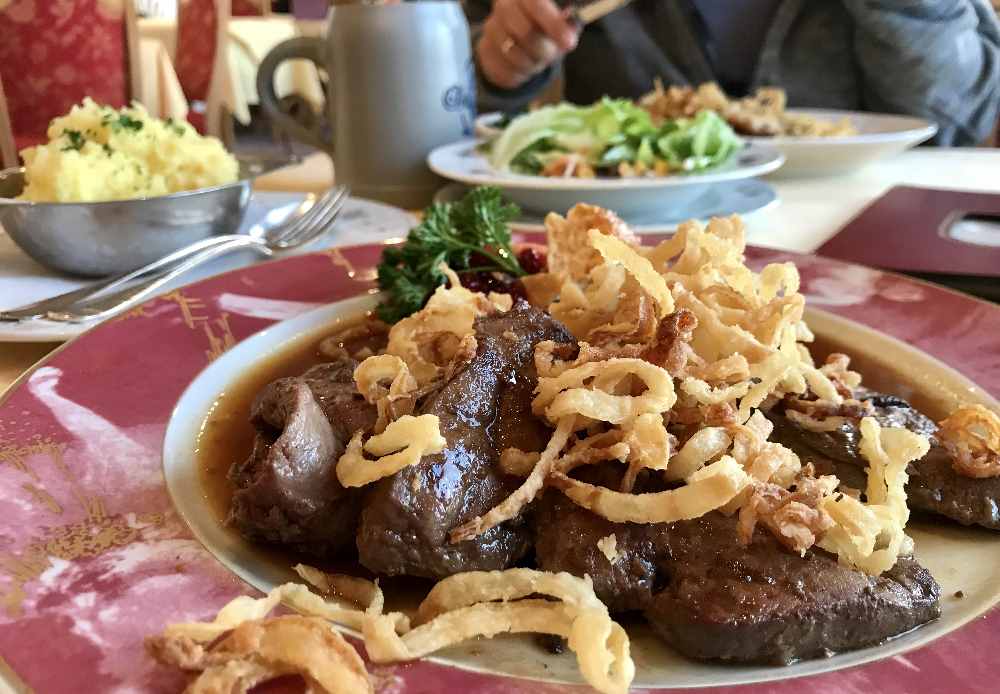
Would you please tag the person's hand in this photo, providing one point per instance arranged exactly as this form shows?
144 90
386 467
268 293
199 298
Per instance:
521 38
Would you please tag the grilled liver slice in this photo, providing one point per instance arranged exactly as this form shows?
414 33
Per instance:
287 491
764 604
710 598
483 409
934 486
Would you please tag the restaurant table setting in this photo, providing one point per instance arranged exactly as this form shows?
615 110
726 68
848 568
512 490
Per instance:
23 280
137 335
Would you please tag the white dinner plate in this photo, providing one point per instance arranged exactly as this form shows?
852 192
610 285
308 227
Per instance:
937 544
22 280
463 162
880 135
735 197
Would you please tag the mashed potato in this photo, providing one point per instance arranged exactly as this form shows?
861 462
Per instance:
97 153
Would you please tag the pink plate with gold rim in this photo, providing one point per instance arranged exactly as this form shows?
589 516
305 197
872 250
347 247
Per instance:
98 553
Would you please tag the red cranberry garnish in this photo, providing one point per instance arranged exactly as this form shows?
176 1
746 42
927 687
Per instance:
532 260
487 282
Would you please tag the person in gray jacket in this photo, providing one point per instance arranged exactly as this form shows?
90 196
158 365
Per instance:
937 59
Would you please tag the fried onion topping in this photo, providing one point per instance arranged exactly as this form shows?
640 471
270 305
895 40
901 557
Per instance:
243 646
971 435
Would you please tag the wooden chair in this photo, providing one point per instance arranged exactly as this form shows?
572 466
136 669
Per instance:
54 54
8 150
134 65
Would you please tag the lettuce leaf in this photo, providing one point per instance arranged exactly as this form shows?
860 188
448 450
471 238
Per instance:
699 143
611 132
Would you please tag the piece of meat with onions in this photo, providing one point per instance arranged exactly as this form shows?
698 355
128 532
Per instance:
287 491
484 408
711 598
934 485
567 538
764 604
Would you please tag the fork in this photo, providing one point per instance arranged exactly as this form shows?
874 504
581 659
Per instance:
95 302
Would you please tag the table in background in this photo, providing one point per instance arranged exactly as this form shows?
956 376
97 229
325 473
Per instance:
163 30
313 27
160 91
250 39
810 211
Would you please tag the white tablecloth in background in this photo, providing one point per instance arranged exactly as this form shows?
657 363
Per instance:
250 39
163 30
313 27
811 210
160 93
157 8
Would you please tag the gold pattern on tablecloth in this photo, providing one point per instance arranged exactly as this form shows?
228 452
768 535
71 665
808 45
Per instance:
42 497
137 312
216 328
338 259
98 531
220 336
217 331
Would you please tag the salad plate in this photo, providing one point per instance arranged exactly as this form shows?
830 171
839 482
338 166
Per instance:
611 153
463 161
490 124
101 553
744 198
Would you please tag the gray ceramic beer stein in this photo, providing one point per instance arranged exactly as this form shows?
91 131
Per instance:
401 83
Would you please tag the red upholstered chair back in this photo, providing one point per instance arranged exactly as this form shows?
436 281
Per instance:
52 54
197 40
251 8
8 153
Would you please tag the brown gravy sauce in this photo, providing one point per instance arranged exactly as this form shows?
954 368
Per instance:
227 435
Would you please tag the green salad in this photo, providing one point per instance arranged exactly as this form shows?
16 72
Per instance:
613 137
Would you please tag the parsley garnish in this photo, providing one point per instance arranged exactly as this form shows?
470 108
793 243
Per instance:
458 233
107 149
122 122
76 140
178 129
129 123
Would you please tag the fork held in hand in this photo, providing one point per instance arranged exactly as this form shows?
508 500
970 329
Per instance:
95 301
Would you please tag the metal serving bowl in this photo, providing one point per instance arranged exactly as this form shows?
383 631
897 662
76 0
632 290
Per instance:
105 238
